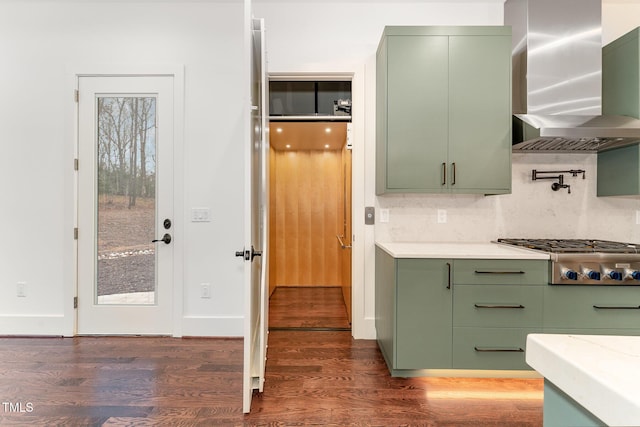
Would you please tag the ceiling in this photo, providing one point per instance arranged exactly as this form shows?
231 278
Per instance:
307 136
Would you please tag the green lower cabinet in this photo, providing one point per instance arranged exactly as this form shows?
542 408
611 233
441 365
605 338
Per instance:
589 308
476 314
423 317
490 348
413 313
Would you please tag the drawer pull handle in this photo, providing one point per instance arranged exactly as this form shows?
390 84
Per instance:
498 306
444 174
448 275
617 307
498 272
498 350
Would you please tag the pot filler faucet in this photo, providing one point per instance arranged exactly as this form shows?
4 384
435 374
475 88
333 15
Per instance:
560 177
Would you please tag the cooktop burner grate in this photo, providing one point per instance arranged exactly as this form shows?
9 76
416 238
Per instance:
575 245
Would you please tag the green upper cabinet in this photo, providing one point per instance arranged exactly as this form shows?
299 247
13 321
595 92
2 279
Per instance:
620 76
619 172
444 110
619 169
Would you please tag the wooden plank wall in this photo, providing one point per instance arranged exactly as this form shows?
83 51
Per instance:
306 213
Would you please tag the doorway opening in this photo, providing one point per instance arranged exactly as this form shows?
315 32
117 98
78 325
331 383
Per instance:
310 225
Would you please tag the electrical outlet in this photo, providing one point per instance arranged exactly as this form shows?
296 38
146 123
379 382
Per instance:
442 216
21 289
205 290
384 215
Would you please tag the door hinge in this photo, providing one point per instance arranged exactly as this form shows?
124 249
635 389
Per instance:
75 164
76 95
75 233
75 302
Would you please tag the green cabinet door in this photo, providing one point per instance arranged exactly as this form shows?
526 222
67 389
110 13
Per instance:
443 110
619 169
423 314
619 172
417 125
480 114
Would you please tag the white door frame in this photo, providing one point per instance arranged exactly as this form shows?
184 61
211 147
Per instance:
177 72
361 321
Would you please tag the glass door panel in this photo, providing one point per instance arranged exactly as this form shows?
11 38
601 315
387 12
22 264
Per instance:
126 202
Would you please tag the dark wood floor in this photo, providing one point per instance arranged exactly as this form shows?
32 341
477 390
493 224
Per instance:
308 308
313 378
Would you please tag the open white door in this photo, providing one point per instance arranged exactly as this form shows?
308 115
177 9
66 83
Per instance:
256 225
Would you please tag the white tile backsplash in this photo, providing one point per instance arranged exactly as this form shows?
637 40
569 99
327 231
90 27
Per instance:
533 209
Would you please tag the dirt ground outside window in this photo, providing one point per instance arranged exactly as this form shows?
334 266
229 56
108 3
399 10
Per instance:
126 256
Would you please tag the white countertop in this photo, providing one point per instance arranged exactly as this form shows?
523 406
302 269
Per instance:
601 373
458 250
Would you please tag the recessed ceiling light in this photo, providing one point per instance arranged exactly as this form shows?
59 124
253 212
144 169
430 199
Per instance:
279 130
328 130
326 145
288 145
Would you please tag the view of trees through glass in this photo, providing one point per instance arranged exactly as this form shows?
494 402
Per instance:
126 165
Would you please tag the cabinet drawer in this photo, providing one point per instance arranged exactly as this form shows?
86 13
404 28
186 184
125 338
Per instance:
600 307
498 306
500 272
490 348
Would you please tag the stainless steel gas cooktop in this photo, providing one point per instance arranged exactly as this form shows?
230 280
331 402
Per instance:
575 245
587 262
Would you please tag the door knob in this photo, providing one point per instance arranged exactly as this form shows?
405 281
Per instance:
255 253
244 254
249 255
166 239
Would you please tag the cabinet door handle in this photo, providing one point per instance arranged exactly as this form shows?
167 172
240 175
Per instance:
498 306
498 272
498 350
617 307
444 174
448 275
453 166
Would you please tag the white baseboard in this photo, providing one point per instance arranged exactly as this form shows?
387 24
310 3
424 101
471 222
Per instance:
21 325
203 326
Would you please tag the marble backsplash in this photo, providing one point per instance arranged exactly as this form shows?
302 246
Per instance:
532 210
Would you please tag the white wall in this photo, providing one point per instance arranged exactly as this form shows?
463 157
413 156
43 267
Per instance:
618 18
42 43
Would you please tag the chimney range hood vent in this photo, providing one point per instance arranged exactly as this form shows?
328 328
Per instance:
557 79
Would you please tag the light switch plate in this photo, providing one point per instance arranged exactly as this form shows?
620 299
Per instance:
200 215
369 215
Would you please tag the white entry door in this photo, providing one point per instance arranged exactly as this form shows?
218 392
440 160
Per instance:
125 205
256 226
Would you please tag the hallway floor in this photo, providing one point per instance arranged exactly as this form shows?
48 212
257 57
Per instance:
308 308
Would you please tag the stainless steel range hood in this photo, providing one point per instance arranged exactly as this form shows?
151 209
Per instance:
557 78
